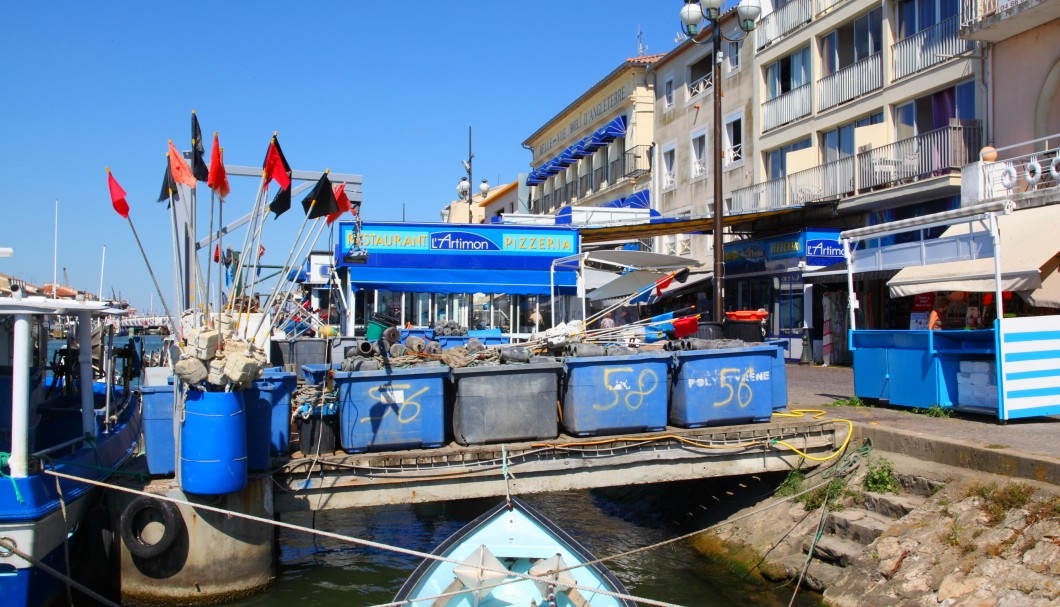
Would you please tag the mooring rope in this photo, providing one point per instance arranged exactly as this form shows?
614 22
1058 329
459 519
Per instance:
8 545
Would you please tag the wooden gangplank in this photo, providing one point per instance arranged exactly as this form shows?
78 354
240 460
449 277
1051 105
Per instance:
567 463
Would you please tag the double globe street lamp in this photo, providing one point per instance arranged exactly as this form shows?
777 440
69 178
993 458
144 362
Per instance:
696 15
464 187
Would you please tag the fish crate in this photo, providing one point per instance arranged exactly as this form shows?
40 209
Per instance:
159 443
616 394
503 403
391 409
280 418
722 386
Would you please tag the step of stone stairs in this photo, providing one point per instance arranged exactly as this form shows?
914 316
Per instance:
857 525
891 506
819 576
835 550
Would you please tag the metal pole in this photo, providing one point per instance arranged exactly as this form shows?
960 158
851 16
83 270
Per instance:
470 156
719 205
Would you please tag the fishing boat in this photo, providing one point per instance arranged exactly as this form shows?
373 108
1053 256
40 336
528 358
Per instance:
512 555
74 418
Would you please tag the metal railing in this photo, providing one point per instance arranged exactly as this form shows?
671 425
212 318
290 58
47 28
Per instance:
785 108
850 82
699 168
600 177
700 86
637 161
824 6
760 197
928 47
825 182
782 22
1022 174
937 152
733 154
585 184
973 11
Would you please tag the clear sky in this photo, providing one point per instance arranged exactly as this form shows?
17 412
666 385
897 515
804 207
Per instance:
386 90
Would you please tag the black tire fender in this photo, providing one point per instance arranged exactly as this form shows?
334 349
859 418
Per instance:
131 528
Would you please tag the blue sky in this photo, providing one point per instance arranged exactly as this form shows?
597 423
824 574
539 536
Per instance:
386 90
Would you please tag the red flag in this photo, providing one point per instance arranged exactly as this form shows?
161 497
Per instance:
217 252
342 200
117 196
662 283
218 180
686 326
261 250
180 170
276 167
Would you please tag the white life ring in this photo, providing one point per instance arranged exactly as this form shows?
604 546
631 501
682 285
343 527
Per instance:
1008 178
1054 168
1034 172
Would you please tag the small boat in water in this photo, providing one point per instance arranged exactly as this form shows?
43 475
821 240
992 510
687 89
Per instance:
58 418
489 560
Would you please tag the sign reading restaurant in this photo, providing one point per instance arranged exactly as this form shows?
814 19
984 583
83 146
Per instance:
590 116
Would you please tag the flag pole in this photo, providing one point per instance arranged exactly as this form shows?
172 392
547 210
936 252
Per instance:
253 217
209 261
172 321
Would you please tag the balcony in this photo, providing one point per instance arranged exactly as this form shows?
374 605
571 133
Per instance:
850 82
637 162
787 107
1020 174
699 168
585 185
928 47
782 22
600 177
997 20
940 152
700 86
827 6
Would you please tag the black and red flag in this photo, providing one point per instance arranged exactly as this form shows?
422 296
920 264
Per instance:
342 202
281 203
275 167
198 163
218 177
321 200
117 196
680 276
169 186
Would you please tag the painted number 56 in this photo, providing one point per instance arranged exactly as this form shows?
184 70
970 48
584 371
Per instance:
742 390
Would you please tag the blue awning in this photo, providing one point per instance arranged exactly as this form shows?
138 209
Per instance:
461 280
585 147
565 158
638 200
610 131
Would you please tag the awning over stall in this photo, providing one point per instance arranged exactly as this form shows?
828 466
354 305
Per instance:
1028 253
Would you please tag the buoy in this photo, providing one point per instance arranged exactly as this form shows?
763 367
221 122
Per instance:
1054 168
1008 178
132 523
1034 172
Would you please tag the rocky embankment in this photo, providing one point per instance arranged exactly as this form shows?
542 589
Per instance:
934 535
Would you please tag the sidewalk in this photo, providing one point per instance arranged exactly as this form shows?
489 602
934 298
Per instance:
1026 448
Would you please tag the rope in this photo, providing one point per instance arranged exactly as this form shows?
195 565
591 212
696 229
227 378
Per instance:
8 545
4 459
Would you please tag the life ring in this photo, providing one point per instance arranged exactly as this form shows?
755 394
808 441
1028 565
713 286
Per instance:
1034 172
131 526
1054 168
1008 178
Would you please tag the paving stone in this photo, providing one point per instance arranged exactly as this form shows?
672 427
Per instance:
861 526
892 506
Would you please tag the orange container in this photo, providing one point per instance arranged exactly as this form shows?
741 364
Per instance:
746 315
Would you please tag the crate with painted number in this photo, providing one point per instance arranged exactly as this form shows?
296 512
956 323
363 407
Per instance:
721 387
391 409
615 394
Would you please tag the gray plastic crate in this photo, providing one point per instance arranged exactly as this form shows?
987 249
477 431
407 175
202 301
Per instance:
506 403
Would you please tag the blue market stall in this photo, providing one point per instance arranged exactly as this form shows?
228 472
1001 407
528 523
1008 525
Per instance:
1012 369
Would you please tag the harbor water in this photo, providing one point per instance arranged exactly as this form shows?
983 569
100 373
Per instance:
328 572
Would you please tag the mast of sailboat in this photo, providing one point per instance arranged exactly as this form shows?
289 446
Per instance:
55 252
102 264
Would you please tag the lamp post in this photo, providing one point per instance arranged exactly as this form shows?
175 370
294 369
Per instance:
708 13
464 187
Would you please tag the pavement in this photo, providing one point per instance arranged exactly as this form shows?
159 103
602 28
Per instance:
1022 449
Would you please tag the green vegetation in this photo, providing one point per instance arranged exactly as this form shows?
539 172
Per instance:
853 401
935 410
997 501
996 446
880 477
792 484
829 493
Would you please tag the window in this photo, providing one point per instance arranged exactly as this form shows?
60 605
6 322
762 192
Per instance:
852 42
777 160
699 155
917 15
732 55
839 143
700 75
732 146
935 111
668 93
789 73
669 174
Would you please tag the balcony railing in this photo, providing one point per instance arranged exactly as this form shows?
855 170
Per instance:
669 179
699 168
850 82
937 152
1022 174
600 177
782 22
928 47
585 184
733 155
637 161
786 108
973 11
824 6
700 86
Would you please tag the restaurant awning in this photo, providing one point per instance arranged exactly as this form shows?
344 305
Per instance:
837 273
662 226
460 280
1028 253
626 284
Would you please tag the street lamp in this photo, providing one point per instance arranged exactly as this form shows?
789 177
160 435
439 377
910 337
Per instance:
695 15
464 187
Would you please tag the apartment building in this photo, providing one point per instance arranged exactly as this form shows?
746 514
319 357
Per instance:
836 114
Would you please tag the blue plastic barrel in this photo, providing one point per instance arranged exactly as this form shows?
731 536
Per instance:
280 427
258 401
213 443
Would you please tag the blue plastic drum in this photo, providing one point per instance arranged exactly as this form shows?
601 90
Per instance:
213 443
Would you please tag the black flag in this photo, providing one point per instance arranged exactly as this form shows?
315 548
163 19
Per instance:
321 200
199 168
282 202
169 187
